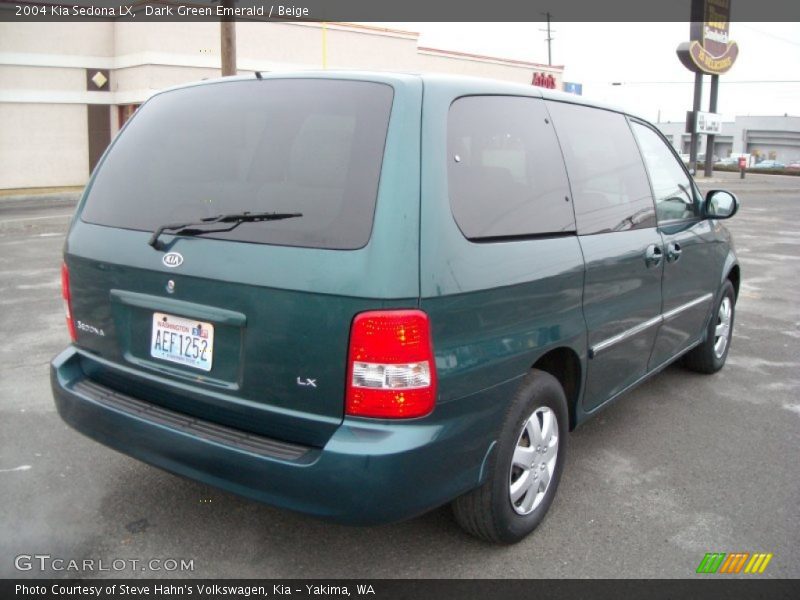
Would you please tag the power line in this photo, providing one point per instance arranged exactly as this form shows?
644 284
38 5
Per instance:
751 81
772 35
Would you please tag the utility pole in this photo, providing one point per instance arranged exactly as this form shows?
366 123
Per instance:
549 38
228 41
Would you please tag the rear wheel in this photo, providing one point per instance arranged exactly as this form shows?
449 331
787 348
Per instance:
525 467
709 357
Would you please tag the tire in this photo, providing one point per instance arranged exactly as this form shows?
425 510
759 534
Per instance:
709 357
488 512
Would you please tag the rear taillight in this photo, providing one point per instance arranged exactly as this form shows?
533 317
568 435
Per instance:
65 293
391 371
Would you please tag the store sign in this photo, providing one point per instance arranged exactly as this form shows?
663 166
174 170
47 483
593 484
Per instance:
709 123
545 80
703 122
710 49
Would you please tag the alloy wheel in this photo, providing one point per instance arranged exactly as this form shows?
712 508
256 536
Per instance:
722 332
534 461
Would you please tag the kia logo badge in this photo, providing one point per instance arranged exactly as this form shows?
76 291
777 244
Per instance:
172 260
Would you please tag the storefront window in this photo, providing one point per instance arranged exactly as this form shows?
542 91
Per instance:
126 112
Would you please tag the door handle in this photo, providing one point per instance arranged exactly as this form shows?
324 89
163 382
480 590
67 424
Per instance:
653 255
673 251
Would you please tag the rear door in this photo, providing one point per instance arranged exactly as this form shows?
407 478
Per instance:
621 246
502 270
692 258
249 327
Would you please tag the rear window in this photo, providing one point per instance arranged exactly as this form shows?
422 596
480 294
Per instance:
312 146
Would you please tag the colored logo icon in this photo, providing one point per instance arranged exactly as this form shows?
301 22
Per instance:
734 563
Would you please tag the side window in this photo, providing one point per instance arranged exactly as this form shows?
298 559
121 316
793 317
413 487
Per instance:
504 169
609 183
672 188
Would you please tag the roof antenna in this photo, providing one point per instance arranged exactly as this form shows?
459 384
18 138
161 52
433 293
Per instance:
258 75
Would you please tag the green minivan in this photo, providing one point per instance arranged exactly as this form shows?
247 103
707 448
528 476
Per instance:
364 295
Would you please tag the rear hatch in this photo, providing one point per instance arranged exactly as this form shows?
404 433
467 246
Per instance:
248 327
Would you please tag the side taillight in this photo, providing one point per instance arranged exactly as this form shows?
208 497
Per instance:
67 296
391 372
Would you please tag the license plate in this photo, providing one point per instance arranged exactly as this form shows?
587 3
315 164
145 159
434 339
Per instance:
183 341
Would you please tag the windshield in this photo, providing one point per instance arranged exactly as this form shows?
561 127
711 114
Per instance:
310 146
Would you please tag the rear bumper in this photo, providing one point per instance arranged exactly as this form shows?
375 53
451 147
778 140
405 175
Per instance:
369 472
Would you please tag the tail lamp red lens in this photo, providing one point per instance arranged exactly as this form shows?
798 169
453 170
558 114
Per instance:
67 296
391 368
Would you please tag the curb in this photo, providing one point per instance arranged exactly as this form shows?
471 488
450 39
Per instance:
59 222
39 201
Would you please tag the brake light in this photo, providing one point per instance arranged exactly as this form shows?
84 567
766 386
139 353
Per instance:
391 370
65 293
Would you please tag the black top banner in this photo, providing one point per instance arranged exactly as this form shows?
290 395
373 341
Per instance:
388 10
398 589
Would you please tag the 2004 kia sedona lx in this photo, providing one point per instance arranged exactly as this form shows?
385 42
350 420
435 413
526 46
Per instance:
361 295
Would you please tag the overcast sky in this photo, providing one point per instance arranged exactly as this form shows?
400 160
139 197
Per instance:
639 54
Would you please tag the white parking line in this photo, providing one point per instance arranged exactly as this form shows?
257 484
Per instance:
35 218
20 468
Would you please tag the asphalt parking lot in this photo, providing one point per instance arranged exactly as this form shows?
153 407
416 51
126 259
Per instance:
684 465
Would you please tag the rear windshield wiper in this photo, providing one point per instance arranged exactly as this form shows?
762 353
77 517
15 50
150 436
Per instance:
236 219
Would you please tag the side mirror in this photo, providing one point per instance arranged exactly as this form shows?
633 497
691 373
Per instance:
720 204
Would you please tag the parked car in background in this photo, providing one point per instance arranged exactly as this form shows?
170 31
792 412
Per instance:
727 162
795 165
769 164
340 295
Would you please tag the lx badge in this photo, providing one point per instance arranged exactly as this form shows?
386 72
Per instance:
307 382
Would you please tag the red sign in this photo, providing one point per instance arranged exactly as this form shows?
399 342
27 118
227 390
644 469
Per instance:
545 80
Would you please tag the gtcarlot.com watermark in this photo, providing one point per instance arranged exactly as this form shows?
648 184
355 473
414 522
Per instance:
47 562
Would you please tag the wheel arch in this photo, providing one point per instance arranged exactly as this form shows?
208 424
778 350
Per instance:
734 276
731 272
564 364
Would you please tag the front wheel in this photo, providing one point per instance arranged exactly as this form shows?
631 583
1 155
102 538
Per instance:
525 467
709 357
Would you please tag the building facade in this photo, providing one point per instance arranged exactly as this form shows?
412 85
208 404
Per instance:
773 138
67 88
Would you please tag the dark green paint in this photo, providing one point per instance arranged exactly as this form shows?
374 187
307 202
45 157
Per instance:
285 312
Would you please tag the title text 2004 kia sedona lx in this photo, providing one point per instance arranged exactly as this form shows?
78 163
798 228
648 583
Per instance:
362 295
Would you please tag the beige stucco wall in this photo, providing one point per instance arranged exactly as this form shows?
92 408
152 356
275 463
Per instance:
360 50
457 66
54 79
133 85
64 39
43 145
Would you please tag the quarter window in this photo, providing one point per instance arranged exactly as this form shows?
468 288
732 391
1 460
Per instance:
505 173
609 183
672 188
